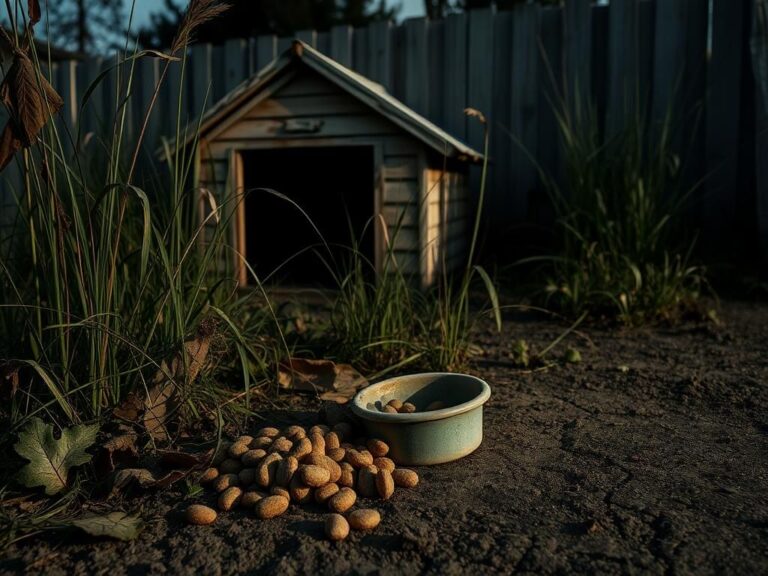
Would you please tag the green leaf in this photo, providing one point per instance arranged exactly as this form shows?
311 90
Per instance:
115 525
51 459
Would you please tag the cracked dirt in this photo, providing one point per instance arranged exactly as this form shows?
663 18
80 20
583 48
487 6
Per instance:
651 456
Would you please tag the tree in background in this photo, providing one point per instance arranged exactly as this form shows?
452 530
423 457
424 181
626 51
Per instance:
87 26
248 18
440 8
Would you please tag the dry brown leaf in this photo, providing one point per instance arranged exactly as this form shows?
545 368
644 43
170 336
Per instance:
30 101
116 452
124 480
158 404
129 409
186 460
337 382
33 10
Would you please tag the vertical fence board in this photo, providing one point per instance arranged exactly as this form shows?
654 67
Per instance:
308 37
379 53
174 103
550 99
148 73
324 43
201 89
622 64
416 64
645 46
502 145
235 64
595 108
283 43
341 45
577 50
360 51
93 112
455 73
758 43
479 79
436 72
524 106
266 50
723 117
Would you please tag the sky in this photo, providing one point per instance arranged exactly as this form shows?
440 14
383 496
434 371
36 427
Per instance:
410 8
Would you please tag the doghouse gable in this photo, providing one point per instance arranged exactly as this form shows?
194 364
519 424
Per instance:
304 99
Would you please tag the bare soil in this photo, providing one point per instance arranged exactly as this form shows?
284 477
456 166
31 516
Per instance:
651 456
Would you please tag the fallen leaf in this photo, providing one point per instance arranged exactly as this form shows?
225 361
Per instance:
10 375
129 409
179 459
30 100
157 405
337 382
161 399
33 10
49 459
116 452
125 480
117 525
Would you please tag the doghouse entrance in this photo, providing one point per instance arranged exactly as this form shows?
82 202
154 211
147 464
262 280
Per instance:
332 185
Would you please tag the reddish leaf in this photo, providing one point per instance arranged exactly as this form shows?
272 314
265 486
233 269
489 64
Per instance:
187 460
33 8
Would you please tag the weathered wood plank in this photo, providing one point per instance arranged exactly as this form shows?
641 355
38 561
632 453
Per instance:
759 53
623 66
402 192
436 72
360 51
577 50
299 106
549 153
379 53
201 63
328 127
416 64
455 74
308 84
399 167
235 63
341 45
503 141
266 50
524 107
148 74
308 37
723 120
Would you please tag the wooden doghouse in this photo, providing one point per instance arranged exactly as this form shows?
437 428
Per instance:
308 127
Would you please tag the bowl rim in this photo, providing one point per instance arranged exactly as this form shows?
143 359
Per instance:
359 410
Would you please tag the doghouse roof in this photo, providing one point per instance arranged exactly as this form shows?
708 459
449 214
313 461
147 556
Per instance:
370 93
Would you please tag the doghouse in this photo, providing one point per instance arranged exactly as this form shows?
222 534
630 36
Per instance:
359 164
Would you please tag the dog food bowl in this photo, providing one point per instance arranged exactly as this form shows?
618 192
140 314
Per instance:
426 437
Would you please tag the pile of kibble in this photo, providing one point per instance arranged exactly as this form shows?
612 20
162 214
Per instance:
269 471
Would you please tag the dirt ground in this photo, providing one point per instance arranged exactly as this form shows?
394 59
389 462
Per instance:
651 456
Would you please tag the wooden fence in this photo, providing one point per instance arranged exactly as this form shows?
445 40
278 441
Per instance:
648 55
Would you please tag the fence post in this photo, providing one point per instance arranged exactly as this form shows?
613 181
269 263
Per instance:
622 64
201 92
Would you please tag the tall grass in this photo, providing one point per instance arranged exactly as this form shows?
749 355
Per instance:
101 279
619 248
387 322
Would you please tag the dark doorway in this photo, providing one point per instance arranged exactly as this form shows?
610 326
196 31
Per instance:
334 186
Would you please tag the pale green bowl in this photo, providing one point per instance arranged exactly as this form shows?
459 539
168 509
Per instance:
432 437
